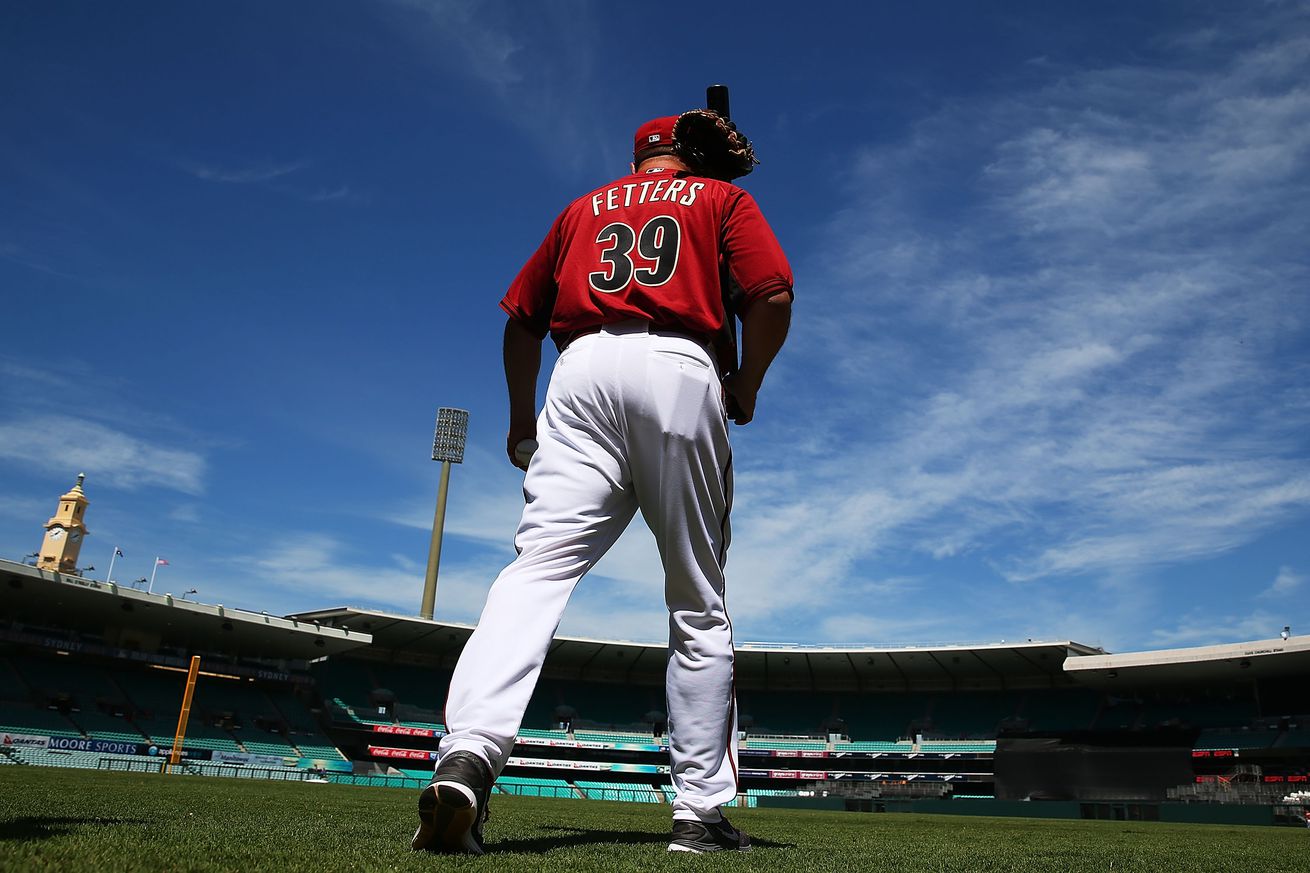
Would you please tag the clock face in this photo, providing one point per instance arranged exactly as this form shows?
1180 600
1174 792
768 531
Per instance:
74 535
56 533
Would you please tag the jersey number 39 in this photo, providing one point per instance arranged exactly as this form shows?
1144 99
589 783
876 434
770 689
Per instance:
657 247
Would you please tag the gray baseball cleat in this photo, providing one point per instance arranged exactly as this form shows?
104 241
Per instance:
719 836
452 809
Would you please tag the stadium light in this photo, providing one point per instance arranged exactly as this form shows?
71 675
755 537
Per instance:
447 447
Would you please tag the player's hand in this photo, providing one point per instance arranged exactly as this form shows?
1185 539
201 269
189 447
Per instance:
519 431
739 398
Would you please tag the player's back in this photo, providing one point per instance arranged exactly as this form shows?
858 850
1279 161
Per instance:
644 246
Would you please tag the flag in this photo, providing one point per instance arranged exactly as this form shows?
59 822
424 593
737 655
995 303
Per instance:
118 553
161 562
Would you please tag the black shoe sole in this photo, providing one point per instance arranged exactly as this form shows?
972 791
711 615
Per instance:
701 849
446 815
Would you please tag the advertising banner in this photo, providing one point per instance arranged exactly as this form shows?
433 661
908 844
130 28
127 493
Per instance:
76 744
639 768
405 731
797 774
250 760
332 766
589 744
165 751
26 741
406 754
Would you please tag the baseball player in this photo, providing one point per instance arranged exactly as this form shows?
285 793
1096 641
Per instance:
627 283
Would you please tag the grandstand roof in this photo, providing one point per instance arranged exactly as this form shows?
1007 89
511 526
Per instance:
774 667
46 599
104 609
1232 661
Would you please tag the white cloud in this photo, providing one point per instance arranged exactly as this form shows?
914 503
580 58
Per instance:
327 195
1203 627
66 445
1286 582
535 63
482 45
266 172
189 513
1081 361
1056 340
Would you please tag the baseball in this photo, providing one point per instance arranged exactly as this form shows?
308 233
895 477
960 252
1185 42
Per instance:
524 450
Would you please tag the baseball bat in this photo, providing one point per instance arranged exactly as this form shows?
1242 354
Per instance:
717 100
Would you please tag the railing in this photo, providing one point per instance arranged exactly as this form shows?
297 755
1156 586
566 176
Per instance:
536 790
124 765
377 780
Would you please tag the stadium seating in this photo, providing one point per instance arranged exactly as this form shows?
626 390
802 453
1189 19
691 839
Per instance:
1295 738
81 684
1058 709
874 746
345 678
342 711
987 747
420 687
12 686
106 727
293 712
971 714
1196 709
783 744
596 706
1239 739
771 792
531 786
619 791
783 712
320 750
271 744
542 735
27 719
614 737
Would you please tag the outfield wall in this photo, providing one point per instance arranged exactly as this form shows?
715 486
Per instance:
1186 813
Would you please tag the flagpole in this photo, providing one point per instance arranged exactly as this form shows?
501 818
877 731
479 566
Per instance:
153 571
109 577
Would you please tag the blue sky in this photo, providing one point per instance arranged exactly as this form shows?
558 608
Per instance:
1047 376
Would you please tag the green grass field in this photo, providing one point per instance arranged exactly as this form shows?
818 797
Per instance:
79 820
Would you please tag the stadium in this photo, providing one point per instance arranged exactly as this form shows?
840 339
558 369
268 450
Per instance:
95 672
130 683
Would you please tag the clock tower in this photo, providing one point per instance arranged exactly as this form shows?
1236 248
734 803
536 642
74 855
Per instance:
65 531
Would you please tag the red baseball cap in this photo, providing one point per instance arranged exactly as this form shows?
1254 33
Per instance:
653 134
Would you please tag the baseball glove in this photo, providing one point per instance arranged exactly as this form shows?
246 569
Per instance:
712 146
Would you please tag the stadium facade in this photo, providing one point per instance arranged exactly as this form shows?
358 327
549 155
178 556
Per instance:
92 675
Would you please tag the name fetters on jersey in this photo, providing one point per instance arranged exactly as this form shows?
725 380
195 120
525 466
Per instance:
679 191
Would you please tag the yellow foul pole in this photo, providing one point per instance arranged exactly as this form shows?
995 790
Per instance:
176 755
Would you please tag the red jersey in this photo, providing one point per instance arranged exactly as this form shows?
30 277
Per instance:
648 246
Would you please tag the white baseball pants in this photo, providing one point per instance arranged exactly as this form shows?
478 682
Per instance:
633 418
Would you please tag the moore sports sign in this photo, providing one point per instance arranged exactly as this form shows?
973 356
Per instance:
113 747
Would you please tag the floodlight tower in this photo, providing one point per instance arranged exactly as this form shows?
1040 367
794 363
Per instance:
448 448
